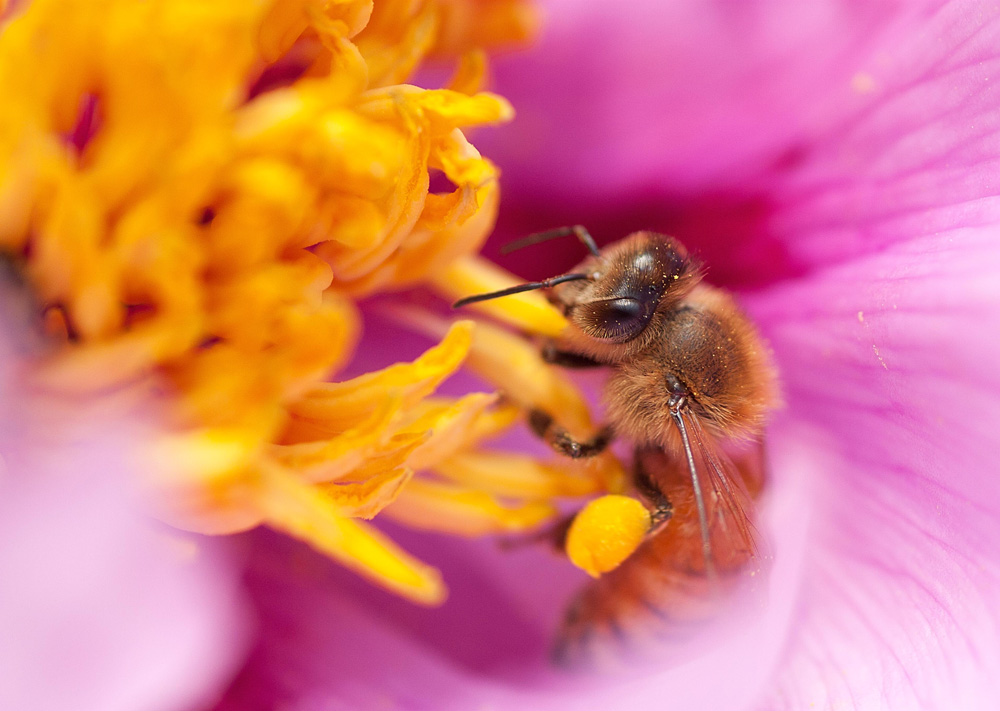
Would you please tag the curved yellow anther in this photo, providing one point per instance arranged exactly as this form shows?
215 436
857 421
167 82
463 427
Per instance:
606 532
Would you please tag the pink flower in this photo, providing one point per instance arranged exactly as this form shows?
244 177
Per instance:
101 608
837 164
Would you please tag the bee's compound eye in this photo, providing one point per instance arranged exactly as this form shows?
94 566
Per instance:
620 319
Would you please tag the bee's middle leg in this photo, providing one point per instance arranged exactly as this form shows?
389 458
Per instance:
661 509
560 440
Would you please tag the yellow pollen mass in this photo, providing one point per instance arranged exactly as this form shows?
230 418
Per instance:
606 532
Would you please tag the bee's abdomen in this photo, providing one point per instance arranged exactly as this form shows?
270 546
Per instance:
661 595
646 600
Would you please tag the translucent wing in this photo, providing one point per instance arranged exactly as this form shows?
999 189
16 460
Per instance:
731 541
674 584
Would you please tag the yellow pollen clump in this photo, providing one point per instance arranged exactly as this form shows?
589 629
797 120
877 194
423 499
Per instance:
606 532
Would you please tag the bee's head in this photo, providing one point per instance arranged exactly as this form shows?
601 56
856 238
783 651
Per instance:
613 295
625 285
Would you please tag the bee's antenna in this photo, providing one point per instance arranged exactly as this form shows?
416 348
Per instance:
530 286
578 231
699 499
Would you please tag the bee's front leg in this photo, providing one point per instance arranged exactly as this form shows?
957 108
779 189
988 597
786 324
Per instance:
562 441
552 353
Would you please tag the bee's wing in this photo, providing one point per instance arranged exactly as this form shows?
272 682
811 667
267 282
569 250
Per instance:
668 588
734 541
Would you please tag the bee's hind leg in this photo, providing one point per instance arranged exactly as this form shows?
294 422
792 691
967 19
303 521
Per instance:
560 440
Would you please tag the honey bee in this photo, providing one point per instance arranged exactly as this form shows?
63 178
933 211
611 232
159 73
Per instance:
690 386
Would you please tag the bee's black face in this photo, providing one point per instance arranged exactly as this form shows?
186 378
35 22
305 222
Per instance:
626 287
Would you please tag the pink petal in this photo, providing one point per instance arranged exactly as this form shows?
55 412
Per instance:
100 607
918 157
328 642
889 368
684 95
864 127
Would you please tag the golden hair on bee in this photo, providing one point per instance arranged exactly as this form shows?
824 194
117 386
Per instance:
688 376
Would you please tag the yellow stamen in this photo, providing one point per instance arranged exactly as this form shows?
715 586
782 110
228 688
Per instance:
454 509
335 458
308 513
470 74
517 368
493 422
338 404
506 474
475 24
451 425
379 485
527 310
